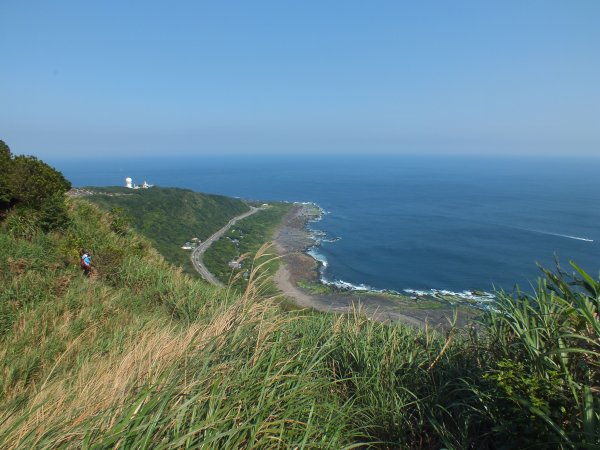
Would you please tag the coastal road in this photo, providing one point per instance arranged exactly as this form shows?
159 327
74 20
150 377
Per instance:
198 252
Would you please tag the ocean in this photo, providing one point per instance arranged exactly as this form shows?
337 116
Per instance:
406 223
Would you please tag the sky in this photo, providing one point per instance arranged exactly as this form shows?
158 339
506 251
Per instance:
194 77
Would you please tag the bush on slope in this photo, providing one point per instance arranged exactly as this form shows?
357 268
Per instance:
31 194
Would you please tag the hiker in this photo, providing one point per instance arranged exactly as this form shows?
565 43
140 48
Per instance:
85 262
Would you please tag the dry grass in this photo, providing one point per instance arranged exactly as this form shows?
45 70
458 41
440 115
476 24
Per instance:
108 382
145 357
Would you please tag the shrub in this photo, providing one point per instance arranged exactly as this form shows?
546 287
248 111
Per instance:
35 189
5 160
544 359
120 220
32 182
22 223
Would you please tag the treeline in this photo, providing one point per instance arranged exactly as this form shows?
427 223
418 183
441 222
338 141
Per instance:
31 194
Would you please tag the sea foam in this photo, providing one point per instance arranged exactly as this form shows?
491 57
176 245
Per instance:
483 297
550 233
480 298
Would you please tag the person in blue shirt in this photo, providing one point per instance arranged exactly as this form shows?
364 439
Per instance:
85 262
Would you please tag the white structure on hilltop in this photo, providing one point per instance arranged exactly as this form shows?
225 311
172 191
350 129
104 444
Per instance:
129 184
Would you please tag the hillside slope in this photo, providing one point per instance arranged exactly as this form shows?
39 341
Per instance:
143 356
169 217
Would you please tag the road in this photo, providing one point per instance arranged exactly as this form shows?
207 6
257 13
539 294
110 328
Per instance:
198 252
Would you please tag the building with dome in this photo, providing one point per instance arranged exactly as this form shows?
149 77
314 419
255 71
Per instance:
129 184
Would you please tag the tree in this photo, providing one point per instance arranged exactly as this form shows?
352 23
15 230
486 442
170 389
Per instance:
32 191
5 165
33 182
53 213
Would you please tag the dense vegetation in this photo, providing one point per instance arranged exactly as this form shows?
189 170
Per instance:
31 194
243 242
142 356
170 217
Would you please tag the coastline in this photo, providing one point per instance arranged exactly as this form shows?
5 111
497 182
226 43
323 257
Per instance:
298 279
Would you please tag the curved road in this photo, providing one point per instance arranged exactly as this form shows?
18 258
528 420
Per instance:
199 251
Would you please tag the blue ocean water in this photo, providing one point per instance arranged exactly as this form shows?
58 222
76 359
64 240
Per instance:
407 222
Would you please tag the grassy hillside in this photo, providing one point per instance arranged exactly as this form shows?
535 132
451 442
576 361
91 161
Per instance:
143 356
245 238
169 216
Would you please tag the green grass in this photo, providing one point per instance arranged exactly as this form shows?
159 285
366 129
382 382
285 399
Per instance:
143 356
169 217
251 233
316 288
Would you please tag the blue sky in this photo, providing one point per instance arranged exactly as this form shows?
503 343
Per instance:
466 77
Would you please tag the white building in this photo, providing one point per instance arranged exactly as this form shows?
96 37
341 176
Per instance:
129 184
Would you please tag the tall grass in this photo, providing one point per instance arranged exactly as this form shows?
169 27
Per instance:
547 348
143 356
233 381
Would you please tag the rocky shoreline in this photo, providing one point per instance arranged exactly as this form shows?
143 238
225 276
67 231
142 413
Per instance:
298 280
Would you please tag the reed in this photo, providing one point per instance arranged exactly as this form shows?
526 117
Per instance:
143 356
